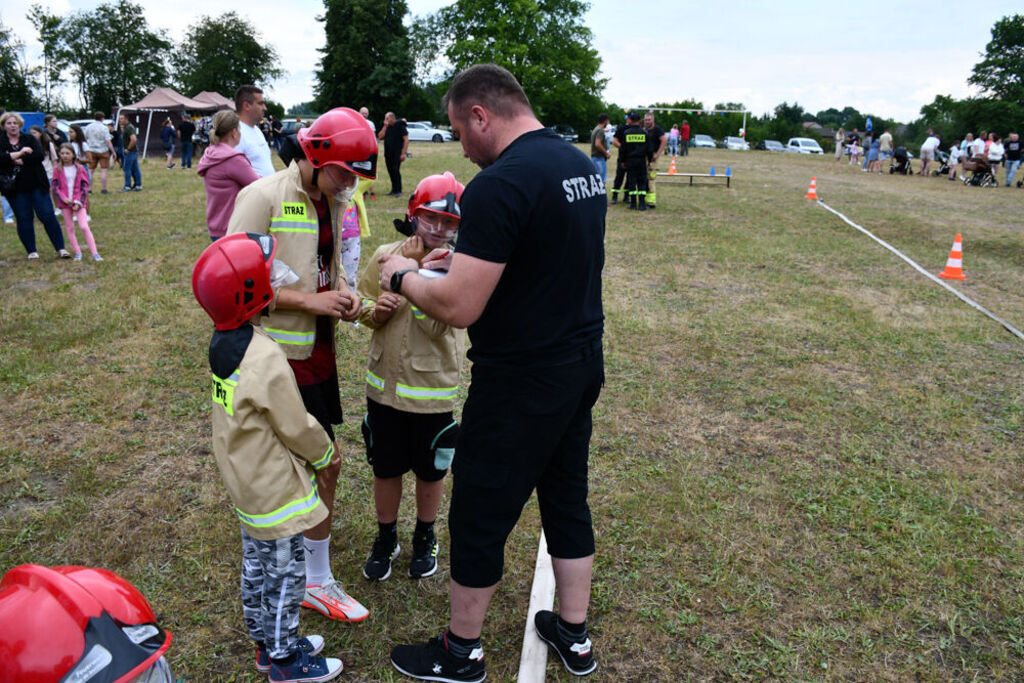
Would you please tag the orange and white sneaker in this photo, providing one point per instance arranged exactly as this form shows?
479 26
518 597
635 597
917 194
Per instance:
333 602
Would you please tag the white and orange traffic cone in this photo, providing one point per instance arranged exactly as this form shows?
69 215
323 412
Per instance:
672 167
955 263
812 191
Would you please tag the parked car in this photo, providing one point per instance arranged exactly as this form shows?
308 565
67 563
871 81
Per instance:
566 132
770 146
736 143
421 132
292 126
804 146
700 140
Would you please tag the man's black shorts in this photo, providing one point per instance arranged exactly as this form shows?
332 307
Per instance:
323 401
398 441
523 429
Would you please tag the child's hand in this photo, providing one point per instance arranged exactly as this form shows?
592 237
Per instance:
77 205
414 248
387 303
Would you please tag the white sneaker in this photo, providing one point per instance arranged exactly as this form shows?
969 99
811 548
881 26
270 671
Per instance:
333 602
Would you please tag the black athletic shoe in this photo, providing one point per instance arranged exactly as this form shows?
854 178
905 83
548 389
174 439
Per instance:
378 564
578 658
424 556
433 662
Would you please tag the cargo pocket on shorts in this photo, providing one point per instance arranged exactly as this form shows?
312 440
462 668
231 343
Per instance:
443 446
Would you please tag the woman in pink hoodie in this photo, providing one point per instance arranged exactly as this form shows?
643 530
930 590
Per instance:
225 171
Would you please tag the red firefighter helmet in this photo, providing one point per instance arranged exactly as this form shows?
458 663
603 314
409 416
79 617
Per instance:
439 194
341 137
77 624
231 278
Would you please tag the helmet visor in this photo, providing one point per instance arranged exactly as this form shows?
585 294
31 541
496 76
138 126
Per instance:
437 228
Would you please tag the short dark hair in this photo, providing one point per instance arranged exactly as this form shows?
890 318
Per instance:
98 116
48 118
602 117
489 85
246 93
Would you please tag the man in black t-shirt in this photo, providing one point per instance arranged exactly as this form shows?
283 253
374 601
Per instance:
656 141
620 167
532 233
395 135
186 129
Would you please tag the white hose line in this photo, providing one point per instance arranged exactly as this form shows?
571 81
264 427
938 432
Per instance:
967 300
534 660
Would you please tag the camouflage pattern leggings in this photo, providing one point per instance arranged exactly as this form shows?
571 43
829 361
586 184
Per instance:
273 584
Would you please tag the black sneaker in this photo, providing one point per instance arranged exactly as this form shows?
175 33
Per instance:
378 564
578 658
424 556
432 662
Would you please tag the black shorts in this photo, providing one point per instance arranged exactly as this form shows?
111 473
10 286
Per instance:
323 401
523 429
398 441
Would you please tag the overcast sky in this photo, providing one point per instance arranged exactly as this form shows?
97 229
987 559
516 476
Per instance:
884 58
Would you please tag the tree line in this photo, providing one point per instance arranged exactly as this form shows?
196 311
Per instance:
371 57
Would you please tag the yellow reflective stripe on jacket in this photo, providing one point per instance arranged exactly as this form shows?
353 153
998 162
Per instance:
283 513
425 393
224 391
294 218
417 313
326 460
374 381
291 336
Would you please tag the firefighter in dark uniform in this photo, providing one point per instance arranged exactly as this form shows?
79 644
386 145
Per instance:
634 152
620 166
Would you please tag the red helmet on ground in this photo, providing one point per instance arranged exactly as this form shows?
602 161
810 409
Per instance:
77 624
439 194
341 137
231 278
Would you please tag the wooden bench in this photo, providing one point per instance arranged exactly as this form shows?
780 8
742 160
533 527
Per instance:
691 176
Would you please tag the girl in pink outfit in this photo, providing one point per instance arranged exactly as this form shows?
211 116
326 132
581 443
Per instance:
71 187
350 247
225 171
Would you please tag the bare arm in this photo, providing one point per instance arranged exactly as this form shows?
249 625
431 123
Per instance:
458 298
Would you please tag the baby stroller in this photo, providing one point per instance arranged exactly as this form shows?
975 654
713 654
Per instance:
982 174
900 161
943 159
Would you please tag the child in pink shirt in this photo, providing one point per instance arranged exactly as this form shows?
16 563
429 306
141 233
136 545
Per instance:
350 247
71 187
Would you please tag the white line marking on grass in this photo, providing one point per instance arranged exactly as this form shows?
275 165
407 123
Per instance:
967 300
534 659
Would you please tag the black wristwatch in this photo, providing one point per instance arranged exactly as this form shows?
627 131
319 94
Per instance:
396 279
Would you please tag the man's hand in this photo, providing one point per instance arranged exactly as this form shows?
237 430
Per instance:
438 259
387 303
391 264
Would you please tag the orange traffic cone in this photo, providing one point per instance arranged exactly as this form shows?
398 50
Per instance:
672 167
954 264
812 191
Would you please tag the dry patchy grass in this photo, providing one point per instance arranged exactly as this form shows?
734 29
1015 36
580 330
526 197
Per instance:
806 460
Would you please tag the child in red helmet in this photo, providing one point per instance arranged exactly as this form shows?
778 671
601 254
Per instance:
268 449
411 385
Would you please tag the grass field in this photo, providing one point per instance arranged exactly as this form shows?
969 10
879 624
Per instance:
807 459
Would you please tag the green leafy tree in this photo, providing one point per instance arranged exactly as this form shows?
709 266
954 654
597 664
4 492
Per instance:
544 43
115 57
55 55
1001 72
222 53
366 60
16 78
